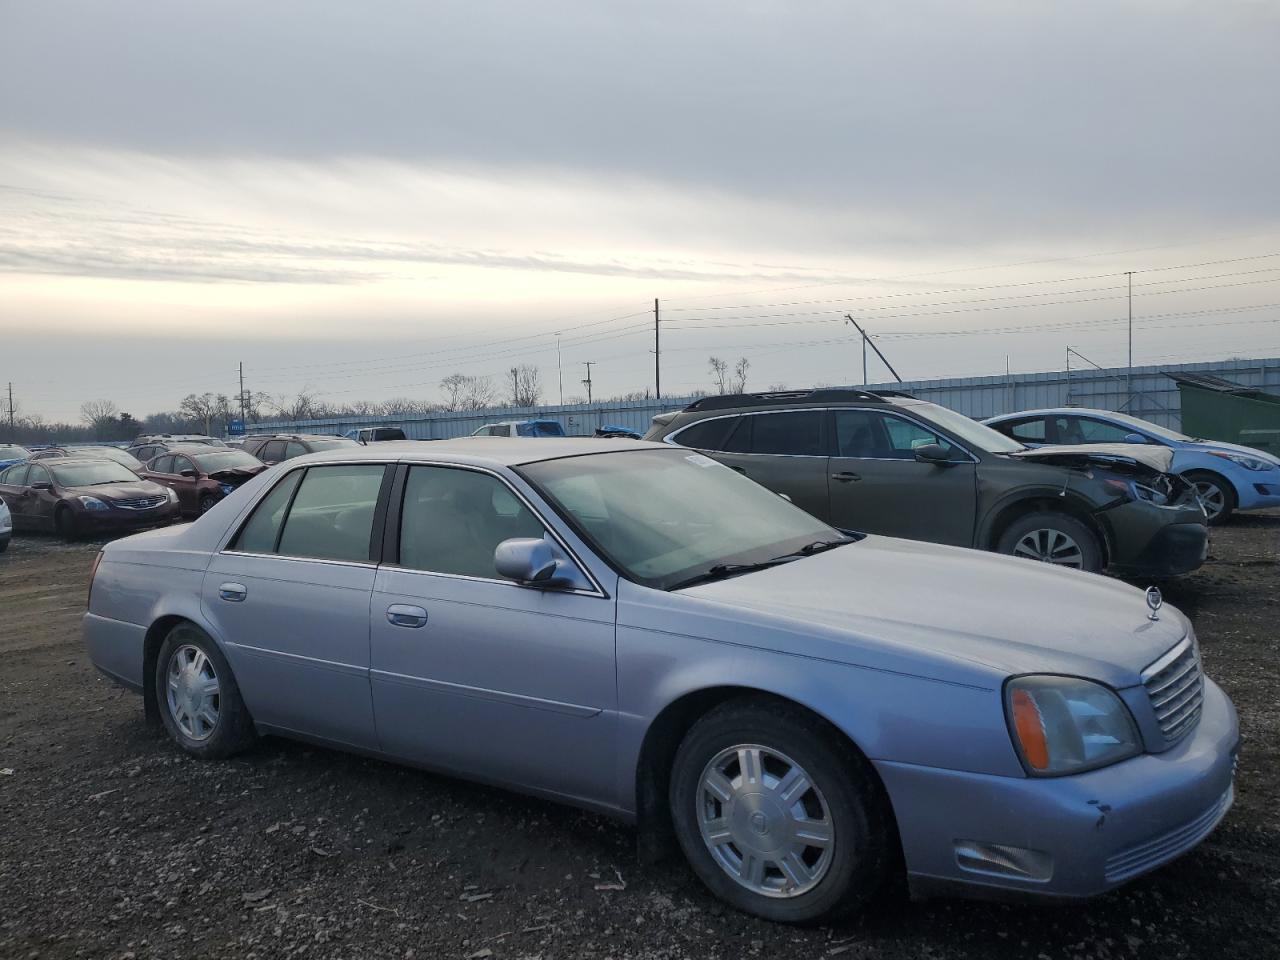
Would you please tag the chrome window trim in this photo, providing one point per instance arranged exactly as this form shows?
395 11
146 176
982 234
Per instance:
599 591
671 437
297 559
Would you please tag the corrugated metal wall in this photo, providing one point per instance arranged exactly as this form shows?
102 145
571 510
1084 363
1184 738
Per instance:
1155 398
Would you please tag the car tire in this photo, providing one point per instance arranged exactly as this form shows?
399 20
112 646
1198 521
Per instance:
1055 538
1216 493
199 701
207 503
844 802
4 545
64 523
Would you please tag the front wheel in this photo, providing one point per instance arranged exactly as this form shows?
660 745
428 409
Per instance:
65 523
1053 538
777 814
199 700
1215 493
207 503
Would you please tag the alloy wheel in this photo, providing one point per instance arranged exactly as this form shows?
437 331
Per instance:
1050 546
764 821
1211 495
193 692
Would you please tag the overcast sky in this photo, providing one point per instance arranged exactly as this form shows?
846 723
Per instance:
365 197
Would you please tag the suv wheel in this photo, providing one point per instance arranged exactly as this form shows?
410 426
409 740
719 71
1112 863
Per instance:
777 815
1053 538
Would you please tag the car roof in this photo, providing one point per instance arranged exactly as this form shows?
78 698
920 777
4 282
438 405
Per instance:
63 461
480 451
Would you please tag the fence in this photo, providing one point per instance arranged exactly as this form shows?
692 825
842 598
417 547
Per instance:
1154 397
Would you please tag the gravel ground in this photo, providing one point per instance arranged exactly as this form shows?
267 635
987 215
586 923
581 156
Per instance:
113 844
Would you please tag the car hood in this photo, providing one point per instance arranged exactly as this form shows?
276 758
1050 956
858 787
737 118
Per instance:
237 475
1159 459
919 601
119 491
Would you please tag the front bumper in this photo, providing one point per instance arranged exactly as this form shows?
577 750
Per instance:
1260 492
1146 540
1094 830
121 519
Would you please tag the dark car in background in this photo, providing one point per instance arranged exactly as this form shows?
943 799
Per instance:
148 447
11 453
73 497
887 463
375 434
122 457
202 476
276 448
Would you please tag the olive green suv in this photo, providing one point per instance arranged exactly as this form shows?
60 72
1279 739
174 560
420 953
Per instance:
888 463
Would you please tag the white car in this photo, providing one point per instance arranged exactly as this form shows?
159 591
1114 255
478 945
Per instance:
6 526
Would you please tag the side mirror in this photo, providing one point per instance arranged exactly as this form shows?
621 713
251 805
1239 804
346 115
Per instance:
1134 438
187 473
535 563
931 453
42 485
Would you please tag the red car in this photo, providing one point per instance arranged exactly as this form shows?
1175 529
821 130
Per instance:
75 497
202 475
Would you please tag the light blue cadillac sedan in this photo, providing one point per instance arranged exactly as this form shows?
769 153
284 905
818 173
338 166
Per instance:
1227 476
642 631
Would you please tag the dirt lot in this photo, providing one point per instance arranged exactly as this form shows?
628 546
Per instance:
112 844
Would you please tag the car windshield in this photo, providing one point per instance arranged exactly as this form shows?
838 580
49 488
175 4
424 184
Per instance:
92 472
666 517
1146 426
13 453
333 443
972 432
121 457
226 460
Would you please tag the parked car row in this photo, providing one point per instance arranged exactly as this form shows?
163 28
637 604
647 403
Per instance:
808 714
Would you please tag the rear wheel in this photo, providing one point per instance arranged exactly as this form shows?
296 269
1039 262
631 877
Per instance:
1217 495
1054 538
198 698
64 522
778 815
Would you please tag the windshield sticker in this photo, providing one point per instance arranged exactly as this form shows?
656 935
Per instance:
698 460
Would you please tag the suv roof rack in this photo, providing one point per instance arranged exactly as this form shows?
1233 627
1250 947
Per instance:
820 395
901 394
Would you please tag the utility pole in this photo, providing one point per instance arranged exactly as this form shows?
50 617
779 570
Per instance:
587 382
657 352
242 414
1129 376
559 368
865 341
13 432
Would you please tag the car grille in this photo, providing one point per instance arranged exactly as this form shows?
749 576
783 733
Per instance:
1144 856
139 503
1175 685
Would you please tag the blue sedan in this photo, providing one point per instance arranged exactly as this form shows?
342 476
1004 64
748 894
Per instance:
1227 476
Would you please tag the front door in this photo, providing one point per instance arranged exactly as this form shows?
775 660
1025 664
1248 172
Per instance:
39 507
784 451
290 597
185 485
877 486
476 674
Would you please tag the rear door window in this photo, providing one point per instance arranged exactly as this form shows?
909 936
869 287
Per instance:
1028 431
273 452
331 517
795 434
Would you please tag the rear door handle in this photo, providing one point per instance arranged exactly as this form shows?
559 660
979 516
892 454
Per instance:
233 592
403 615
846 476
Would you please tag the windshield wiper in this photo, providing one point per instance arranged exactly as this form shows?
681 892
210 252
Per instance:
722 571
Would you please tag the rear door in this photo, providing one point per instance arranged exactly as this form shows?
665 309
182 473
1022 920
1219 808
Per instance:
290 596
785 451
14 491
877 486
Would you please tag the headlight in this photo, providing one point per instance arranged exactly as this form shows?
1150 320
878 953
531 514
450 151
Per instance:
173 496
93 504
1066 725
1139 491
1243 460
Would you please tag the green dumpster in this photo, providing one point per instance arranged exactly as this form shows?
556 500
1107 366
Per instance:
1218 409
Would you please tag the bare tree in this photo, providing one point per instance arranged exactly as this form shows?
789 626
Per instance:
462 392
777 387
526 386
206 408
405 405
719 374
304 406
740 375
98 414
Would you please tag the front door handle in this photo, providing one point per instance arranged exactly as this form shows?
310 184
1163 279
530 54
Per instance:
403 615
846 477
741 470
233 592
